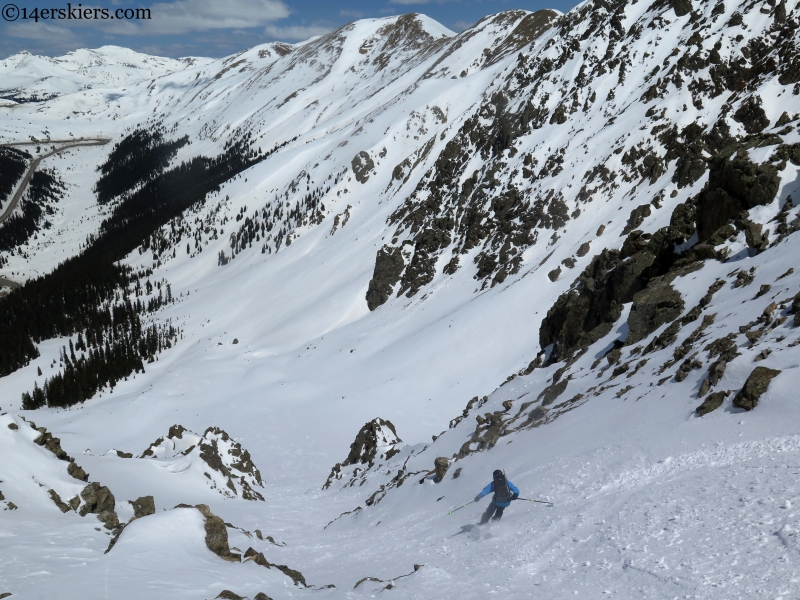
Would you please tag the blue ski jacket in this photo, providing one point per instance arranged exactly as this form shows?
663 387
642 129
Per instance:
490 488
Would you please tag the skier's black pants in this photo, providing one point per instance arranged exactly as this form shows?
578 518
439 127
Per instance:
497 511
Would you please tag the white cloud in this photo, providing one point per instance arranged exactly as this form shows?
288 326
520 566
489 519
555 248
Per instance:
186 16
41 32
462 25
295 32
353 14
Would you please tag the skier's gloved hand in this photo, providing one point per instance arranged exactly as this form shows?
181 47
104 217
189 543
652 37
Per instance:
477 498
514 496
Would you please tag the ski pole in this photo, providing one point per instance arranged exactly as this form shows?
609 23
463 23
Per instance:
460 507
540 501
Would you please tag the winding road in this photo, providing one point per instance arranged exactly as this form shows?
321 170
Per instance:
29 173
32 167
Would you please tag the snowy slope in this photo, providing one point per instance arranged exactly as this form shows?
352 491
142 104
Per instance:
490 169
28 77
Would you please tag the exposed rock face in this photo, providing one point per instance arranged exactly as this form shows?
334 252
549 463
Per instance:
217 535
62 506
681 7
77 472
143 507
376 440
752 116
97 499
587 312
734 185
755 386
441 464
712 402
388 267
53 444
638 215
362 165
655 305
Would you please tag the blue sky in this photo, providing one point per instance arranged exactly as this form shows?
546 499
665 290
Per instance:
220 27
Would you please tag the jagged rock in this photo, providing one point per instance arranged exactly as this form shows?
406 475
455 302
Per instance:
554 274
77 472
457 473
97 499
712 402
176 431
5 595
638 215
388 268
122 454
755 386
589 309
143 507
657 304
261 596
259 559
734 185
109 519
53 444
375 440
62 506
11 506
362 164
584 249
752 116
744 278
681 7
229 595
441 464
217 535
13 426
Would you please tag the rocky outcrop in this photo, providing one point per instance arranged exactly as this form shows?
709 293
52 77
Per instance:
77 472
388 267
440 466
755 386
142 507
376 440
655 305
362 165
259 559
217 535
100 501
227 465
712 402
734 185
53 444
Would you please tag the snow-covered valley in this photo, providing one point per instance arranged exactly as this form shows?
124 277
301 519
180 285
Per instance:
579 226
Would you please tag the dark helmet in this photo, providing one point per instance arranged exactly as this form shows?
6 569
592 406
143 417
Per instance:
497 474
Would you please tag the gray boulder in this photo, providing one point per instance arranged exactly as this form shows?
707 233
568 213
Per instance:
755 386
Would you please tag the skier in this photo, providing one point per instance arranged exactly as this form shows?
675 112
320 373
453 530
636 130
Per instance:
504 493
